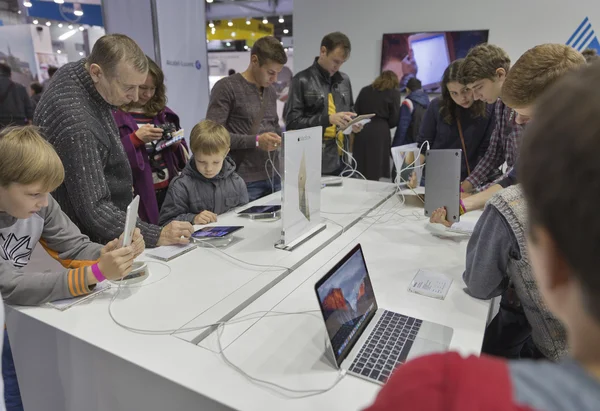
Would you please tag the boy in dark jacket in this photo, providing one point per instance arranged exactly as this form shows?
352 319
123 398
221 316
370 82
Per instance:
208 185
412 111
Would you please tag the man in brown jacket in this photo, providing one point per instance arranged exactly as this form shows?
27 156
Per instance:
246 104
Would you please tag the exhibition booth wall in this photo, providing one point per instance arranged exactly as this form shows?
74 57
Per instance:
512 25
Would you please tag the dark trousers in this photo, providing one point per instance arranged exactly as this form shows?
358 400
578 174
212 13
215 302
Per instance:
258 189
12 393
509 333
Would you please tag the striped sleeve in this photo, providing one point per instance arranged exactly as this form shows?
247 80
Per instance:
21 287
77 282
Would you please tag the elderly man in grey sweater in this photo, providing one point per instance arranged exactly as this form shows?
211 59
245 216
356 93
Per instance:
75 114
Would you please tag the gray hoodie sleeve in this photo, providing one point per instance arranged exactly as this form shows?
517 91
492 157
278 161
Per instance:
175 206
242 189
64 242
490 248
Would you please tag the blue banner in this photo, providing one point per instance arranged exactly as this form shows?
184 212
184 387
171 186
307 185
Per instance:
92 13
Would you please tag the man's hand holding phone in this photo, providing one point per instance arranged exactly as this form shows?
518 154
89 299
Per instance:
269 141
341 119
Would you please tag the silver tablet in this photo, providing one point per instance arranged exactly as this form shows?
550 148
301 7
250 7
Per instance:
261 212
442 182
130 221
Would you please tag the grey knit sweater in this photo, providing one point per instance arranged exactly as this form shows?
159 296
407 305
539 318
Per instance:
497 255
98 181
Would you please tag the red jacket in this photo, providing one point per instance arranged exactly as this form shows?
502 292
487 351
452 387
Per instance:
449 382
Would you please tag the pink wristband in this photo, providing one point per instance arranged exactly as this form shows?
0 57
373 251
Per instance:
97 273
257 140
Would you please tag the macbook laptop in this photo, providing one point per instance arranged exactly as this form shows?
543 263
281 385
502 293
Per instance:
368 341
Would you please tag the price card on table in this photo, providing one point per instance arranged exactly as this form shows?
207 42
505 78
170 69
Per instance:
431 284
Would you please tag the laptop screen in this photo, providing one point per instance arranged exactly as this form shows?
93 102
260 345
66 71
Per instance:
347 302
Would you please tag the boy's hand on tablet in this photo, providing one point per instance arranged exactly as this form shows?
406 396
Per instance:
176 232
113 245
116 264
138 243
205 217
439 217
467 187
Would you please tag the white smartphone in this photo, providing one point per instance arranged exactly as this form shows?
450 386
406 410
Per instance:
130 221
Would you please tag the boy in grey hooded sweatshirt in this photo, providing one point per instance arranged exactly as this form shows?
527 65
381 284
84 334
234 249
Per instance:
208 185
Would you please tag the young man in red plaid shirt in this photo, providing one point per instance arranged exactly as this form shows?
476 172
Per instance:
484 71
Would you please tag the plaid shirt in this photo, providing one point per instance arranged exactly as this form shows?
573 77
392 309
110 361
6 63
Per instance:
504 146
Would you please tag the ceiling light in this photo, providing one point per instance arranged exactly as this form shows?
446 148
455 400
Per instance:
81 28
77 10
59 1
228 44
233 34
209 1
48 23
245 47
213 30
230 23
285 31
281 20
81 53
60 25
19 12
70 27
35 21
58 51
27 4
66 35
265 21
211 24
248 22
285 49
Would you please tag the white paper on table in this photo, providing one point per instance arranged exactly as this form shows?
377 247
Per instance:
463 227
431 284
169 252
348 130
67 303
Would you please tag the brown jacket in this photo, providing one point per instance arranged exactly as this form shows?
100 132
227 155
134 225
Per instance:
235 103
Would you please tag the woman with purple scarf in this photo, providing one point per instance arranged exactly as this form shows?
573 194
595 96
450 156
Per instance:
146 127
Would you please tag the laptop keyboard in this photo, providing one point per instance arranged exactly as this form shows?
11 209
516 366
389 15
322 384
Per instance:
387 346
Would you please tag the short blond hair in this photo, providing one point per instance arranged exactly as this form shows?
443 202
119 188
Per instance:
209 137
27 158
536 70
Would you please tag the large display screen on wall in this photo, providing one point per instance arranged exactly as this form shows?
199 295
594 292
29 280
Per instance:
426 55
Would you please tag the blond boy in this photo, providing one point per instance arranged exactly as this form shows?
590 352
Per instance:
208 185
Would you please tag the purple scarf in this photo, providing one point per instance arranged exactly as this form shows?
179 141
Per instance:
143 184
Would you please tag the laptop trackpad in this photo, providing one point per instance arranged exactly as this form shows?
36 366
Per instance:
423 347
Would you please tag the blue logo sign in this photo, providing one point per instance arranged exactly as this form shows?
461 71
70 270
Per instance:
198 65
584 37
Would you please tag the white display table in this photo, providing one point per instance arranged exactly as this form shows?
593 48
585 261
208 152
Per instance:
81 360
